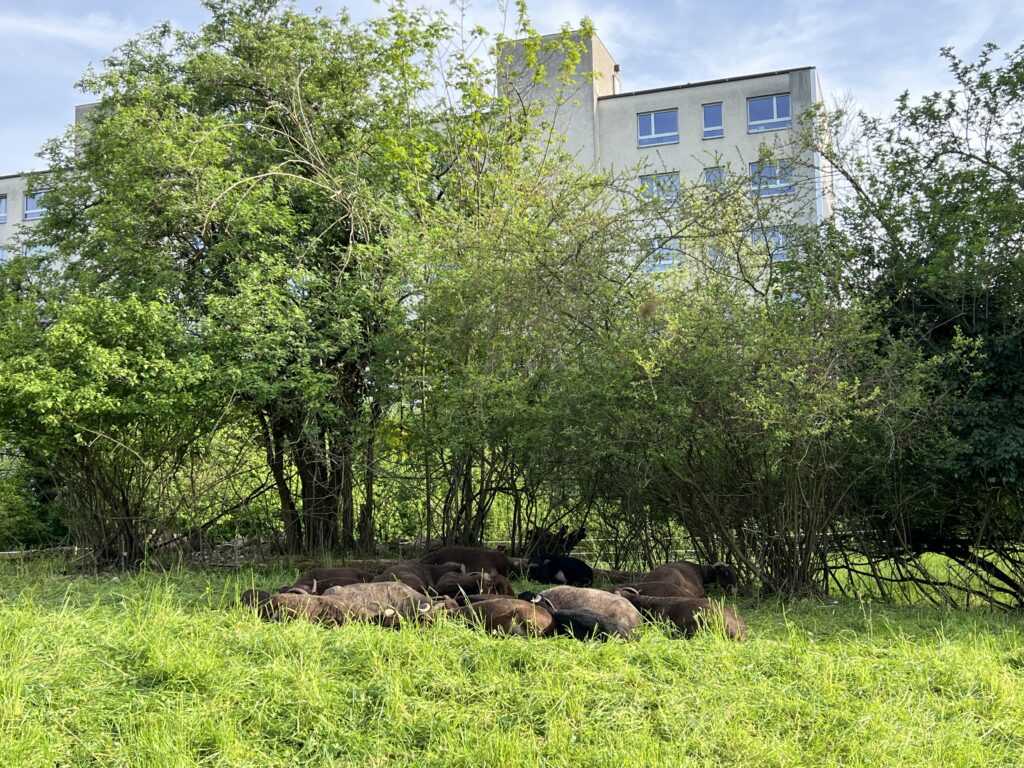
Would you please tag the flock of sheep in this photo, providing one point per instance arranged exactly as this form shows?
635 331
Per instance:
473 583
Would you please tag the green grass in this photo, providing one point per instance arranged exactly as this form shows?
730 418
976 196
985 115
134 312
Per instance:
151 670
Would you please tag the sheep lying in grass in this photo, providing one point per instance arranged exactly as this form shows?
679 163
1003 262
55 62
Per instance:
560 569
419 576
614 607
689 614
507 615
656 589
316 581
474 558
388 604
586 625
455 584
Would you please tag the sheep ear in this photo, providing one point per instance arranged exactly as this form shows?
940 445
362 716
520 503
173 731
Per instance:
389 613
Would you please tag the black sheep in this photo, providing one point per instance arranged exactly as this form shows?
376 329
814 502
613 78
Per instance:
585 625
560 569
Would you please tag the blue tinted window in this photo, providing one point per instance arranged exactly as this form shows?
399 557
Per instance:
657 127
770 179
774 242
665 122
713 126
714 177
760 109
663 254
768 113
660 185
34 206
3 208
782 105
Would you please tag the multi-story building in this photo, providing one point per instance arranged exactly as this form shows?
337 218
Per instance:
18 209
690 132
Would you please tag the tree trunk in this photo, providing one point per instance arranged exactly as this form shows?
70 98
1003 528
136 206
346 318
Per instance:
273 442
366 513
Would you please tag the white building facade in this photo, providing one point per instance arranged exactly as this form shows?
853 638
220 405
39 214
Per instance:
18 209
688 132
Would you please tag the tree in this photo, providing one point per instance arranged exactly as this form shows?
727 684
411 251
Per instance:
934 223
248 176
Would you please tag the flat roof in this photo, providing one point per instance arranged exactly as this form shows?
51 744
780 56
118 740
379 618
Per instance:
5 176
703 82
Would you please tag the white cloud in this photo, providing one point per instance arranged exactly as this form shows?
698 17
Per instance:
94 30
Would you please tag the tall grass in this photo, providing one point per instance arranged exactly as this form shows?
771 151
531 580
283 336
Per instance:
153 670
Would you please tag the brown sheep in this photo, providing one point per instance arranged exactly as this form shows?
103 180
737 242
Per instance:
256 599
688 583
377 597
507 615
316 581
689 614
455 584
614 607
716 574
586 625
419 576
656 589
318 608
474 558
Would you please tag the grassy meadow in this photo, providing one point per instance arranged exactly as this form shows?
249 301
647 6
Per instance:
154 670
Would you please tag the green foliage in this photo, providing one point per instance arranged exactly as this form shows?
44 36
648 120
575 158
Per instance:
934 230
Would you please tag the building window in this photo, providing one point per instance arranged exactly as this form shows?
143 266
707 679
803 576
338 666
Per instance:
3 208
663 254
714 128
34 206
660 186
768 113
714 177
653 128
3 255
770 179
774 242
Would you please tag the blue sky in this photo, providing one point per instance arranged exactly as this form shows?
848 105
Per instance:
871 50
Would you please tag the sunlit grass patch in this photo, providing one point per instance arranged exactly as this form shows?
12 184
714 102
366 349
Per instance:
156 670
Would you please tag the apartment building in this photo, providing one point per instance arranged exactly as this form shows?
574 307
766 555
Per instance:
689 132
18 209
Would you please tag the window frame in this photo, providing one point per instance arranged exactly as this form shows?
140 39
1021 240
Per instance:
775 240
660 186
713 183
781 181
663 254
656 139
40 209
705 128
776 123
3 208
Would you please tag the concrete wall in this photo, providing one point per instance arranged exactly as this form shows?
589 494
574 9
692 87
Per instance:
571 109
599 122
13 186
692 154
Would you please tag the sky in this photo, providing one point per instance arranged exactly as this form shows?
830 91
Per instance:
867 50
